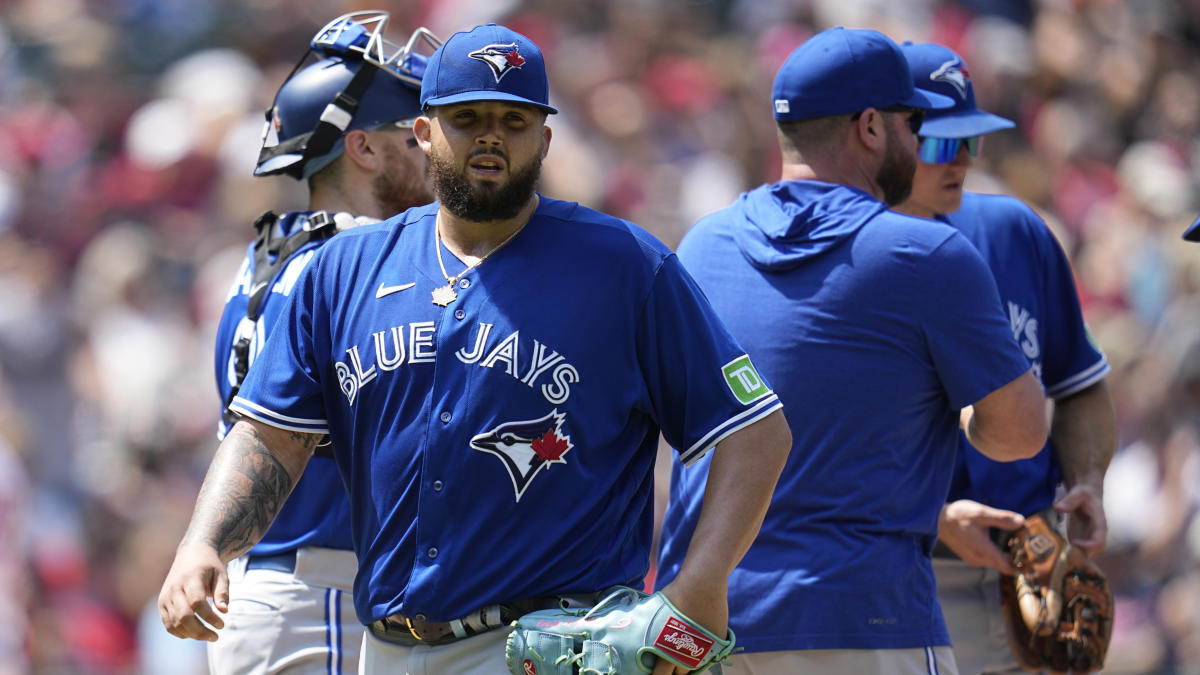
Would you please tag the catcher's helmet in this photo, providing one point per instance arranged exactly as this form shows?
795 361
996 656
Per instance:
362 81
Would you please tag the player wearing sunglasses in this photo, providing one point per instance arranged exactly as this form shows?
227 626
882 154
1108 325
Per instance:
1038 292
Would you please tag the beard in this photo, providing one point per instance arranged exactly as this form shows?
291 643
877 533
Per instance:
485 201
402 185
895 177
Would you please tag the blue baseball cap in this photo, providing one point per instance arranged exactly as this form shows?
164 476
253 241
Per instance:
841 71
488 63
939 70
1193 231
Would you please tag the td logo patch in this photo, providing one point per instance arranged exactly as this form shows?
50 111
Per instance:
743 380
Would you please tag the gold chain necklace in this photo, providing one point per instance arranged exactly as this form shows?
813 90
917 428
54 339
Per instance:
445 295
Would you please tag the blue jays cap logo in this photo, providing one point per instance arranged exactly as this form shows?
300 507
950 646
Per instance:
955 74
500 58
526 447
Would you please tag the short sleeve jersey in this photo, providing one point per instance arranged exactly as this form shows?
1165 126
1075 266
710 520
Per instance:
1037 290
501 447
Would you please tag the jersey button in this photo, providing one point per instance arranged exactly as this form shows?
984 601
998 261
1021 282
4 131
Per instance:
437 486
464 283
446 417
432 552
419 617
459 314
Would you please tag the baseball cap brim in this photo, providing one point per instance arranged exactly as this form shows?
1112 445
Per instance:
469 96
1193 232
928 100
964 124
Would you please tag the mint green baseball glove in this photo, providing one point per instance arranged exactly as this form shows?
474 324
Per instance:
624 634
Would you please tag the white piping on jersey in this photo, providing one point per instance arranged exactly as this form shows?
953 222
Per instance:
1081 380
740 421
274 419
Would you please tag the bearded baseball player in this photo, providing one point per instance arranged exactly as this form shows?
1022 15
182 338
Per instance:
1038 291
493 371
877 328
290 604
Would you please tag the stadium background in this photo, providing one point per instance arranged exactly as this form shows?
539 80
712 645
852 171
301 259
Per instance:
128 129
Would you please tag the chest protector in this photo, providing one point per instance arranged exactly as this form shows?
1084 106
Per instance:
272 250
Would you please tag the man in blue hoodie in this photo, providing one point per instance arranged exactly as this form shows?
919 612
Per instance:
1038 292
876 328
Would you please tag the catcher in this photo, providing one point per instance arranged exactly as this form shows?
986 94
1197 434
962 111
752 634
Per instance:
1058 608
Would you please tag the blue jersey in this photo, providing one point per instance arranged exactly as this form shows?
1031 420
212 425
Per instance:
1038 293
316 513
501 447
875 329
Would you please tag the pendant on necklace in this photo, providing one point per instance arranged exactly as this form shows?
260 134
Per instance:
444 295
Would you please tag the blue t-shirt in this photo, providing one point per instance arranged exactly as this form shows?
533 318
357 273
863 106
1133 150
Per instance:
875 329
1037 290
316 513
501 447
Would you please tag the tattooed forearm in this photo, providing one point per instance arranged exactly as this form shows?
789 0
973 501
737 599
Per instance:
245 488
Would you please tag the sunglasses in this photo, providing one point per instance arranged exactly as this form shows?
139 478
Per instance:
943 150
915 120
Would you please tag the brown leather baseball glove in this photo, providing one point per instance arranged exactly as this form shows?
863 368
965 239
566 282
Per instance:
1058 608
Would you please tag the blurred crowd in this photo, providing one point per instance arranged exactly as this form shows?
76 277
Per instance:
129 128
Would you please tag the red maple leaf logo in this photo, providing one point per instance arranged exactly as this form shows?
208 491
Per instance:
514 59
549 446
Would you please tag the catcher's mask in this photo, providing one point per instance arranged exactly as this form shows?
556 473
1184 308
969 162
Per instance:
316 106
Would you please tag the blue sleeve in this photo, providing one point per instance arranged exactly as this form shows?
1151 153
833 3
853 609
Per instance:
967 333
283 387
1071 362
701 384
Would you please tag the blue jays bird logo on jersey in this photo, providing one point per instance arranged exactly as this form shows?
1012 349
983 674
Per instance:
526 447
500 58
955 74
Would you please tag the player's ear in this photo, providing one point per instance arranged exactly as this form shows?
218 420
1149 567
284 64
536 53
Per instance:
423 132
546 134
869 129
361 150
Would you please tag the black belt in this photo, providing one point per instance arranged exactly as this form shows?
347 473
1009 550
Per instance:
279 562
941 550
412 631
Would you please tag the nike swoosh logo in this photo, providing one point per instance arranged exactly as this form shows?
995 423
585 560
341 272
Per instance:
388 290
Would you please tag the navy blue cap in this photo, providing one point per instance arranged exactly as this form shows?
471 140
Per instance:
939 70
488 63
840 71
1193 232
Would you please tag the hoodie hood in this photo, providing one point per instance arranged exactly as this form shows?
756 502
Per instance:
785 224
